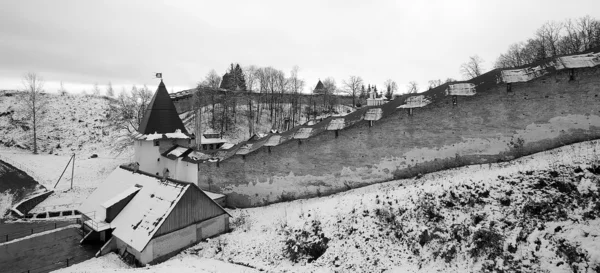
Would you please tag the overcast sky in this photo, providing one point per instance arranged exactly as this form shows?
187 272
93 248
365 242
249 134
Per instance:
126 42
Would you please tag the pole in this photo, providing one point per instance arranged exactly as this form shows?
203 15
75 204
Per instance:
73 171
63 171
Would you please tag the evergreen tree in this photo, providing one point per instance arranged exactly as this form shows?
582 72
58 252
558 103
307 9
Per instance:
226 81
239 78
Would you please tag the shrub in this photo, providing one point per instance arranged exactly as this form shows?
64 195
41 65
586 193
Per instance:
486 242
302 243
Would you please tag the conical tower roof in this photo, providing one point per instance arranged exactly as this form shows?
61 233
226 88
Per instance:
319 86
160 115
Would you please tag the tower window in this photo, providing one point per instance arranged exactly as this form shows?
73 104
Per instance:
156 143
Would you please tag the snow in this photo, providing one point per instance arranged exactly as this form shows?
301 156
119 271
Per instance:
259 241
303 133
461 89
213 195
88 174
182 263
177 134
40 234
196 156
273 140
227 146
245 149
373 114
336 124
154 136
204 140
522 75
124 194
578 61
177 152
415 102
145 213
118 181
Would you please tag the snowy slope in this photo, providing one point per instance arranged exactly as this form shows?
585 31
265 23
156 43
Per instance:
72 123
540 213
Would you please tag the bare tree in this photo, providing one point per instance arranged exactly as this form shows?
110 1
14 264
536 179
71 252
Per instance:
435 83
391 87
352 86
62 91
126 114
212 79
549 35
110 92
34 104
96 90
473 68
412 87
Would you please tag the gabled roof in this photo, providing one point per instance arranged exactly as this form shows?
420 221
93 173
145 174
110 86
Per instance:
160 115
320 86
141 218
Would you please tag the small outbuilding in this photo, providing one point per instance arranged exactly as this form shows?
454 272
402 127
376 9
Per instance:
146 219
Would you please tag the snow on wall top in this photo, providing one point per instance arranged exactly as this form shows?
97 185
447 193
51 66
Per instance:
273 140
461 89
197 156
204 140
373 114
336 124
303 133
227 146
145 213
577 61
415 102
522 75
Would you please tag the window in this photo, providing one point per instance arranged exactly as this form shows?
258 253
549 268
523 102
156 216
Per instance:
156 143
210 146
204 146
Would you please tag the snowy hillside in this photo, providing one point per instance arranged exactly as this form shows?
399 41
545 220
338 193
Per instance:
73 123
535 214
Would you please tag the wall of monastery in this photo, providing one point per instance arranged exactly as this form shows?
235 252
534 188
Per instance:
491 126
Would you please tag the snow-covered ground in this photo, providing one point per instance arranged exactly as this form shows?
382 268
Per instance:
540 213
71 124
182 263
88 174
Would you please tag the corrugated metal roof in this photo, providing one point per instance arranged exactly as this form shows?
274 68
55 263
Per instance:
373 114
415 102
577 61
336 124
461 89
303 133
522 75
273 141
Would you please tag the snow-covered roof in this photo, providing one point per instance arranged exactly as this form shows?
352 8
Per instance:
303 133
415 102
118 181
144 214
204 140
461 89
124 194
245 149
178 151
273 141
210 131
197 156
227 146
522 75
142 217
336 124
154 136
373 114
577 61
